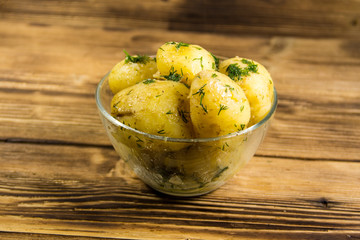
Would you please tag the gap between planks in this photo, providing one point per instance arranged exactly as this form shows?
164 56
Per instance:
108 146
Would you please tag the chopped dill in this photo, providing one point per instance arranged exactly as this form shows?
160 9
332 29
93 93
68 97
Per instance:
169 112
130 92
162 131
202 94
148 81
136 59
217 62
173 75
218 174
222 107
178 44
183 117
228 87
201 61
214 75
236 73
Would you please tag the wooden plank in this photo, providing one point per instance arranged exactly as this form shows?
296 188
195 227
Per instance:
49 94
301 18
85 191
32 236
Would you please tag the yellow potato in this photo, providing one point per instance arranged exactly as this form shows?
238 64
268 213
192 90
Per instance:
155 107
256 82
181 61
218 106
131 70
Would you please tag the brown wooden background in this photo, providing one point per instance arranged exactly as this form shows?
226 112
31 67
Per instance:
61 179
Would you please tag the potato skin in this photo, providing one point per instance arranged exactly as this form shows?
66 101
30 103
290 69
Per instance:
218 106
125 74
155 107
184 59
258 86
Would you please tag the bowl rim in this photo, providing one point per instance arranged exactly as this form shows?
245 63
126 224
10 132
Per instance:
181 140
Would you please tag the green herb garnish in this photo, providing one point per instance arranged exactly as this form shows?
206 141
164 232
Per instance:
173 75
222 107
178 44
252 67
182 114
201 61
236 73
202 94
218 174
148 81
162 131
217 62
136 59
229 87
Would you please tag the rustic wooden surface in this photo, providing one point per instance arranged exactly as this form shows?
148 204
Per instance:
61 179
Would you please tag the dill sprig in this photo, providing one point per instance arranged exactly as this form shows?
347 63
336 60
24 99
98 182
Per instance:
201 61
136 59
202 94
148 81
183 116
217 62
228 87
173 75
236 73
222 107
162 131
178 44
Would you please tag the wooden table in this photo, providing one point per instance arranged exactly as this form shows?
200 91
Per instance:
61 179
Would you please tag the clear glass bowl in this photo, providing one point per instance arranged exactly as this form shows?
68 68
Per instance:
176 166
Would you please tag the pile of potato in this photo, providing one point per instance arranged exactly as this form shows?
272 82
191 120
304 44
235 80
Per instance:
186 92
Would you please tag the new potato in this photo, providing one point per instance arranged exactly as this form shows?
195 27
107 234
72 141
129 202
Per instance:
154 107
127 73
184 59
218 106
256 82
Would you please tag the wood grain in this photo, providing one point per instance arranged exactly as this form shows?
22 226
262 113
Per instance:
280 17
61 179
54 86
86 190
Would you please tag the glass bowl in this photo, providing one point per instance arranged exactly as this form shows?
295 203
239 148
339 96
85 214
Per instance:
176 166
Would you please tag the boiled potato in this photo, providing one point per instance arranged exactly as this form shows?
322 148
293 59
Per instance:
130 71
256 82
155 107
180 61
218 106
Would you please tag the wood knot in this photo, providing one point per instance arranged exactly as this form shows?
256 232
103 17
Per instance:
324 202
